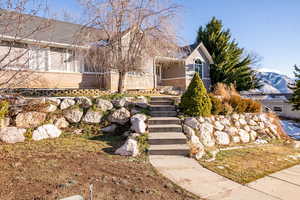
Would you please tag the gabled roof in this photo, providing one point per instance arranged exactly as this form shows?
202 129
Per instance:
188 50
52 31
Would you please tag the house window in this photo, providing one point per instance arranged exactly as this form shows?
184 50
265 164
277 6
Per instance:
277 109
38 58
63 60
198 66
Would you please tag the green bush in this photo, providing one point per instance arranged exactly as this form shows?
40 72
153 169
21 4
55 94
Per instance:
195 101
217 106
4 108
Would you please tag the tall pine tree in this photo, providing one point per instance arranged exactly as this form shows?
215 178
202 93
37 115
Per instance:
295 100
230 64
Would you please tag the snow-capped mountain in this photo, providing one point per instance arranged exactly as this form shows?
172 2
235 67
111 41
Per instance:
274 83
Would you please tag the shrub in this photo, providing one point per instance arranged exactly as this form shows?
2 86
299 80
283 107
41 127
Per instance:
225 91
217 106
195 101
227 109
253 106
4 108
238 104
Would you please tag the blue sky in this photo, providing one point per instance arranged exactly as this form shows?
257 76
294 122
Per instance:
270 28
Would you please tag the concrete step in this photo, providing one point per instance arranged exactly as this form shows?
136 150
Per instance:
161 102
164 128
162 98
169 149
163 113
162 108
164 120
167 138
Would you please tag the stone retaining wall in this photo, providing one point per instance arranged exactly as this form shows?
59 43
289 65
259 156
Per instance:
47 117
218 131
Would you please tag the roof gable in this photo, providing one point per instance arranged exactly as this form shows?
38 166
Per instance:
188 51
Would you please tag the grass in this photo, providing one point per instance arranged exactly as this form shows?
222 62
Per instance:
248 164
65 166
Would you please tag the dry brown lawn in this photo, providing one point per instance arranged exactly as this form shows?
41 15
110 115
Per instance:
248 164
57 168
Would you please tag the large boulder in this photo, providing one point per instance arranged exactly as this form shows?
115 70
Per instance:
242 121
138 123
46 131
231 130
61 122
66 103
206 131
130 148
119 102
84 102
195 141
12 134
253 135
192 122
245 138
73 115
30 119
222 138
53 100
104 105
235 116
139 116
49 108
251 122
92 116
197 147
188 131
226 122
236 139
141 101
36 101
138 126
120 116
219 126
110 129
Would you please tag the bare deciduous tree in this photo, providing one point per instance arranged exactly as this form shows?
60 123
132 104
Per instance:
132 31
18 28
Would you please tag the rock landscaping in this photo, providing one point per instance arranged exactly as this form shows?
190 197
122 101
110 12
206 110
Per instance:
236 129
42 118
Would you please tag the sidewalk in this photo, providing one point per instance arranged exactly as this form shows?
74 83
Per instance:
191 176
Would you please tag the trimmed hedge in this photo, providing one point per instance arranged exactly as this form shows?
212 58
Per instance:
195 101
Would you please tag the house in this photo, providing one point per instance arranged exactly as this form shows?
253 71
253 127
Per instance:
275 102
53 60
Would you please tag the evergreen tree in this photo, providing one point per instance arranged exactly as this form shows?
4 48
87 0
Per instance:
295 100
195 101
230 65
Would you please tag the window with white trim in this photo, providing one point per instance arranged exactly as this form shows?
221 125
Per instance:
198 66
38 58
63 60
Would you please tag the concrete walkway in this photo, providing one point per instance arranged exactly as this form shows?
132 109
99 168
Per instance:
167 154
190 175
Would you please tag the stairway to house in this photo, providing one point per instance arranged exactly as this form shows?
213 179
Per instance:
165 130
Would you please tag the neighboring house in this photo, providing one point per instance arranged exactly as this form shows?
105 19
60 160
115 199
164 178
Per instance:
275 102
55 62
